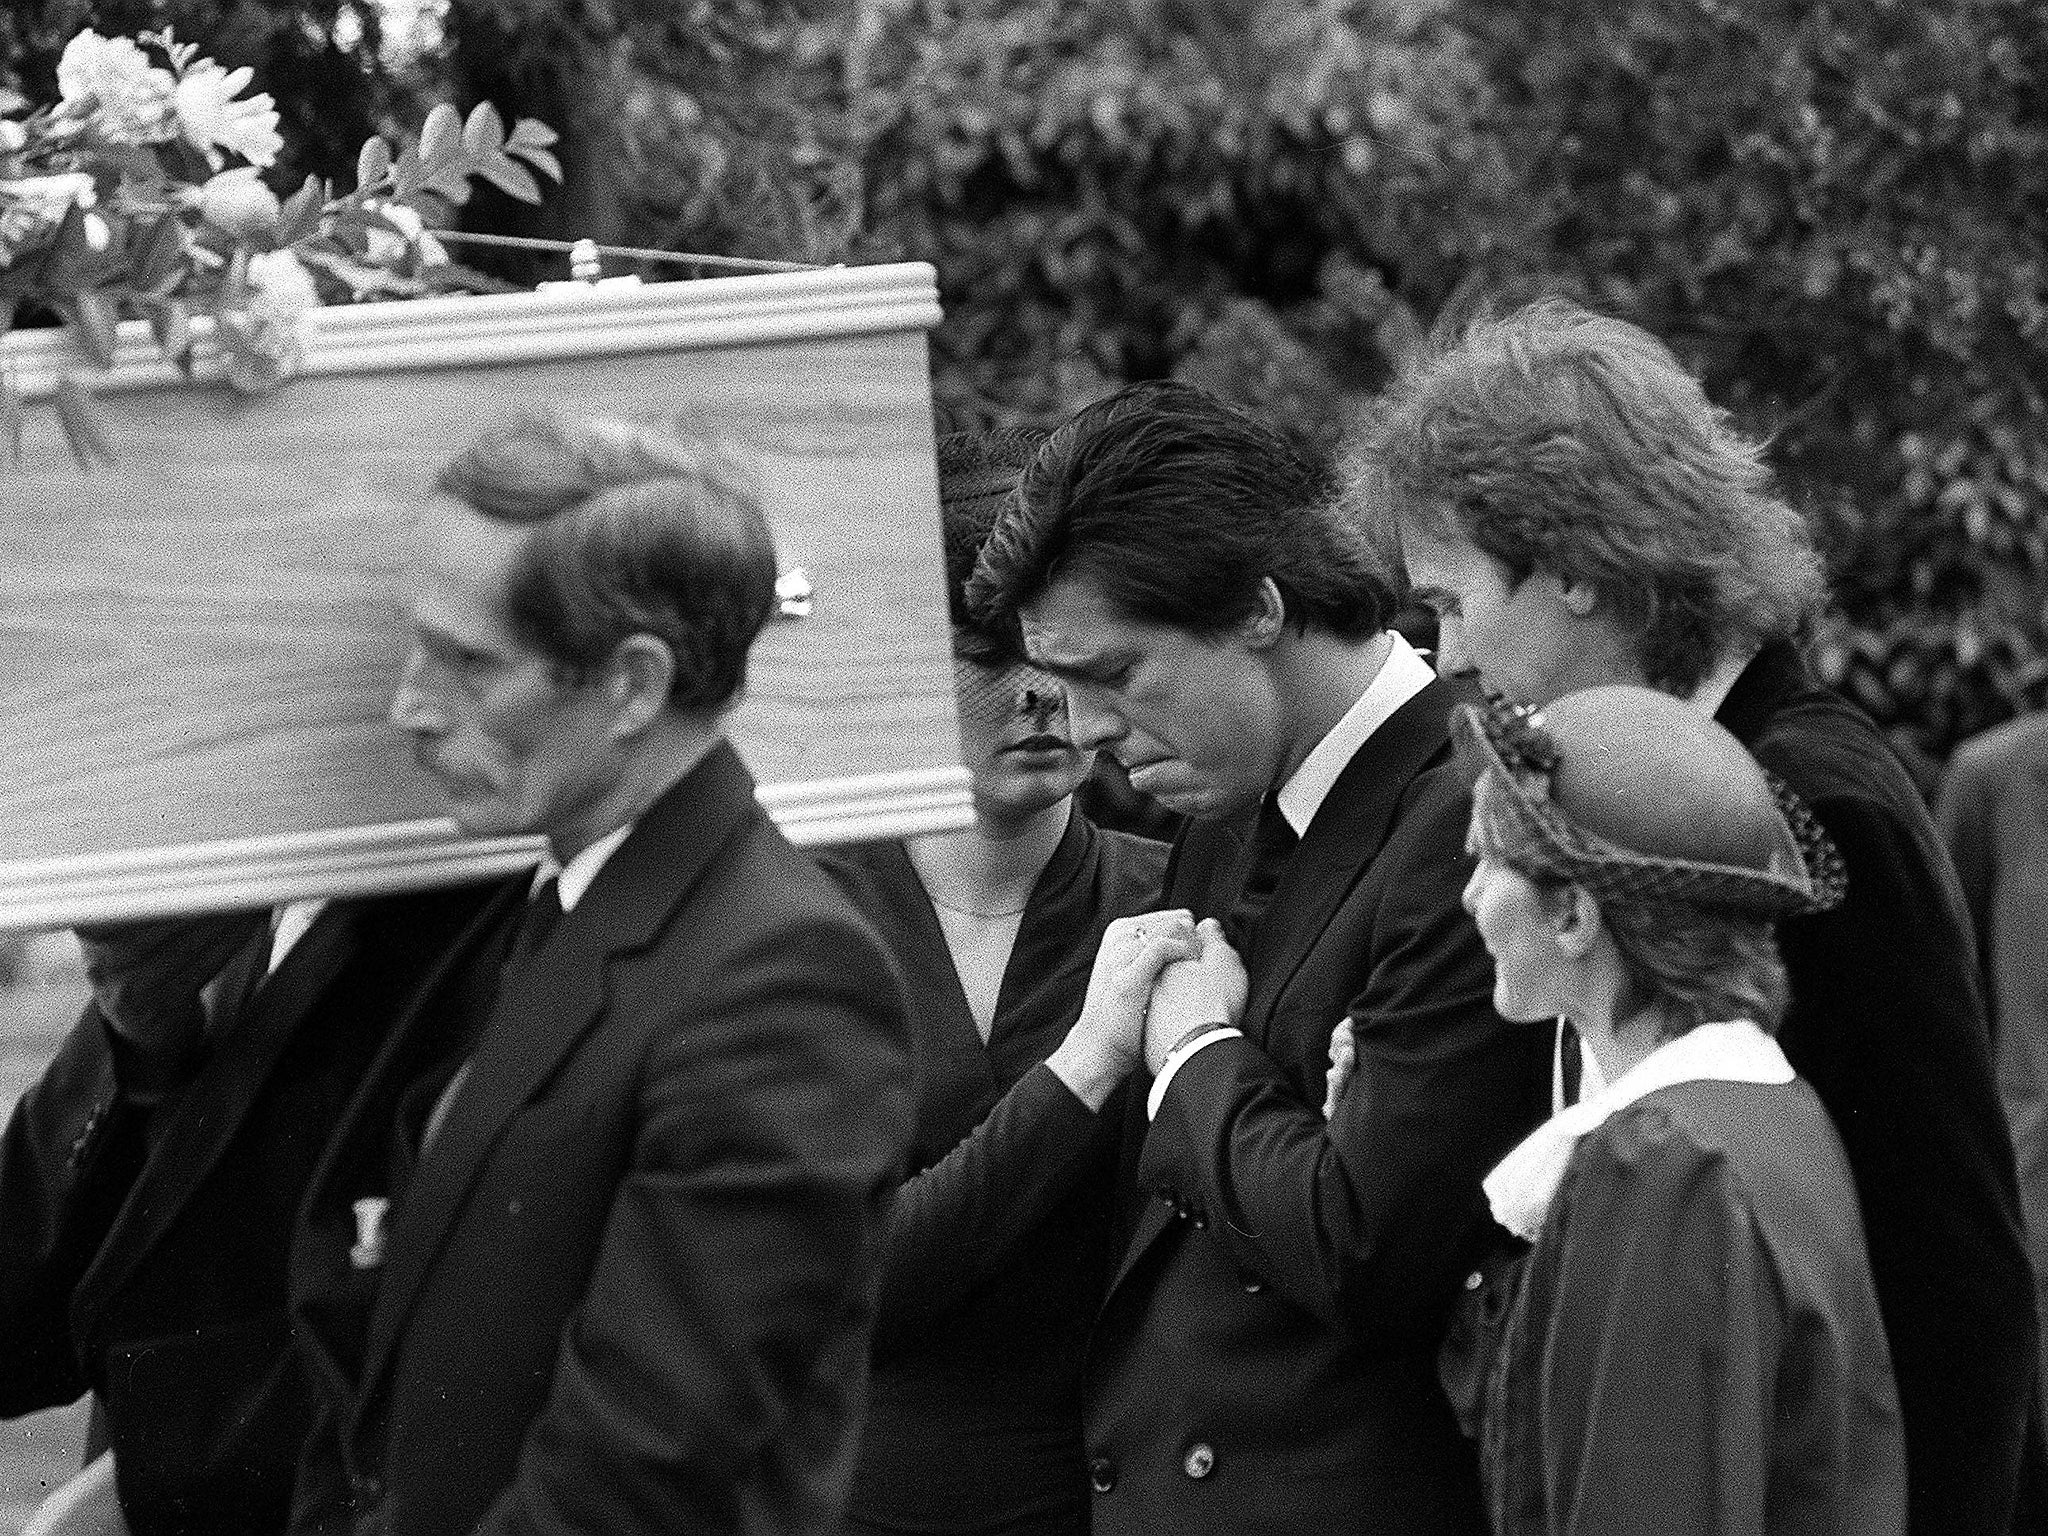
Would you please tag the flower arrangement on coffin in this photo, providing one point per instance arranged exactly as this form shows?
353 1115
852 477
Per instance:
139 194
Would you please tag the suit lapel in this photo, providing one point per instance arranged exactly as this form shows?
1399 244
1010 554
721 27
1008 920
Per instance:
544 1006
1342 841
355 1160
195 1138
1207 866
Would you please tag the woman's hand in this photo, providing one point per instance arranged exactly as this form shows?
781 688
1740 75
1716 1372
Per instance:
1109 1036
1343 1062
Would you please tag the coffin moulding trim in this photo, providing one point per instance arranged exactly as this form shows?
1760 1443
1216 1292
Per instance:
471 330
139 883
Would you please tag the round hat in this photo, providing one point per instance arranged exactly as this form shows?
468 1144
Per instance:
1636 796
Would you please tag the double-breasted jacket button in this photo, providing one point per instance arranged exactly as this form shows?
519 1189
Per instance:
1474 1280
1102 1474
1200 1460
1253 1285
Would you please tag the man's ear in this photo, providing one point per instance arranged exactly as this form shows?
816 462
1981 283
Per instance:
1576 922
636 681
1264 624
1578 597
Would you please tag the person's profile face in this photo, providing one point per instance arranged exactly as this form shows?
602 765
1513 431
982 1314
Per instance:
511 746
1015 738
1519 930
1193 719
1520 639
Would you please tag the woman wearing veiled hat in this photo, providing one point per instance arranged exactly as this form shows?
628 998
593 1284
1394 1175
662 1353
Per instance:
998 1241
1692 1343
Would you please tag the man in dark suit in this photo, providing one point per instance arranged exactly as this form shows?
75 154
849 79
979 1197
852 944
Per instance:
1264 1360
1577 513
598 1256
1993 816
149 1179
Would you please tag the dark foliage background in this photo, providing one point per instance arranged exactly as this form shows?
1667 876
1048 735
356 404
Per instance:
1836 210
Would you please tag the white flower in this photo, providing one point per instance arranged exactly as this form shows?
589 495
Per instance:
237 203
12 136
213 120
52 195
388 250
284 288
261 344
129 98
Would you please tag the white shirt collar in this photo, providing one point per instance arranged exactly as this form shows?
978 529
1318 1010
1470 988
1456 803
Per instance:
574 878
1715 687
288 925
1401 676
1521 1186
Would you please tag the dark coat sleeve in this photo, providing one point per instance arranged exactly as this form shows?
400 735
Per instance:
1363 1220
72 1150
955 1225
1888 1024
774 1109
1656 1392
1887 1027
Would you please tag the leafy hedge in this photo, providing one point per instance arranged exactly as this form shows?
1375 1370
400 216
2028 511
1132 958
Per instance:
1836 210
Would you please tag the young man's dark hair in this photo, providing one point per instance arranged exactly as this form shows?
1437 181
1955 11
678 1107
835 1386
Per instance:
1176 503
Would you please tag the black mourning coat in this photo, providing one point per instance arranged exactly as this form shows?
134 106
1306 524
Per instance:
1888 1025
1264 1361
143 1253
629 1287
999 1240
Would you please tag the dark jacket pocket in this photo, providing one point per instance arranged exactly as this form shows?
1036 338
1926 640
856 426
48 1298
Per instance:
206 1426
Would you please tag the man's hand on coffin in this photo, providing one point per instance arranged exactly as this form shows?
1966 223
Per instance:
149 979
1106 1041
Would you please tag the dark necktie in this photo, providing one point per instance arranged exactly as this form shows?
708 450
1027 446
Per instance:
543 913
424 1108
233 992
1273 844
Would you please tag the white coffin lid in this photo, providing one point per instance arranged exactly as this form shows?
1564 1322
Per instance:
567 320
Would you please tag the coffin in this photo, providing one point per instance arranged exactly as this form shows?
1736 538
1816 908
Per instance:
197 645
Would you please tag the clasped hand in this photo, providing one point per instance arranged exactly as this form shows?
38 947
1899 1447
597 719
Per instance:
1156 978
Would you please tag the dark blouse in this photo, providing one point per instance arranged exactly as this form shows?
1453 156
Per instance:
999 1241
1695 1347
